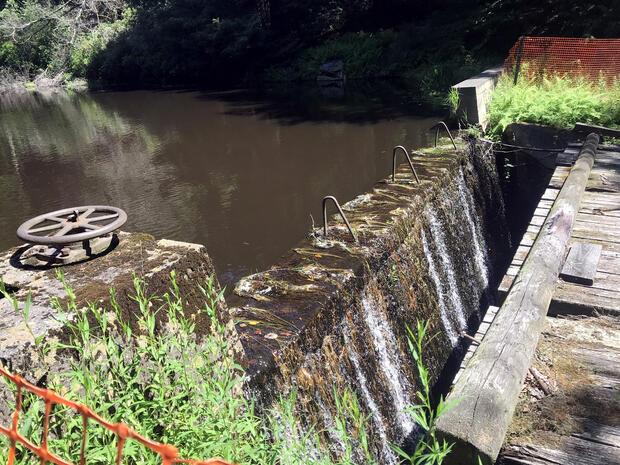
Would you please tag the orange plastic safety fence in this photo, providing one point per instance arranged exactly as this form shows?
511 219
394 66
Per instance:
168 453
573 57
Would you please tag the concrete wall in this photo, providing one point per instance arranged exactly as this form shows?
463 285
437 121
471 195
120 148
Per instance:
474 95
332 315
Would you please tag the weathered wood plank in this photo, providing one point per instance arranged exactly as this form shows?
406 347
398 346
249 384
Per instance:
589 233
584 128
550 194
572 299
489 386
542 211
545 204
581 263
566 158
574 451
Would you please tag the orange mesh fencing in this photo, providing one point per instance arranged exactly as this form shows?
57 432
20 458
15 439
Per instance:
573 57
168 453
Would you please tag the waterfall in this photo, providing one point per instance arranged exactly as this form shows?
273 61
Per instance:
443 310
479 247
387 454
386 349
449 286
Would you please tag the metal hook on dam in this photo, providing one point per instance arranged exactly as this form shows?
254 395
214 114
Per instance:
394 150
331 197
437 127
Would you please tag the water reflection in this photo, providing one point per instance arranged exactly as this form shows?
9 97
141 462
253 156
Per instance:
237 172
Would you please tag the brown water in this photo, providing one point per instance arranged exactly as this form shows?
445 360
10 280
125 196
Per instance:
239 173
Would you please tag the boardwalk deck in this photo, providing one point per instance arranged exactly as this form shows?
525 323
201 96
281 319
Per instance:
598 221
579 422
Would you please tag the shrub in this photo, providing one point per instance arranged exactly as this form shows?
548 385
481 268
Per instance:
553 101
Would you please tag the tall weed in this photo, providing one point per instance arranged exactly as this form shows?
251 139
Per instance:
166 384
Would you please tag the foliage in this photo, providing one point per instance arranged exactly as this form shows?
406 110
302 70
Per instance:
95 41
429 450
554 101
162 381
169 386
38 36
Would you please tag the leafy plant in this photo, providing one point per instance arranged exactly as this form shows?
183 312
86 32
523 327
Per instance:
429 450
554 101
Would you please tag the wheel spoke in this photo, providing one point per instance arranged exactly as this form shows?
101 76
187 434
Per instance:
56 218
91 227
64 230
45 228
87 213
105 217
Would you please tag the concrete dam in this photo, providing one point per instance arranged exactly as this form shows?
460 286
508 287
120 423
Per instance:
332 315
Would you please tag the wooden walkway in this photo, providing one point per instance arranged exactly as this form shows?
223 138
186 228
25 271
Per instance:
569 409
598 221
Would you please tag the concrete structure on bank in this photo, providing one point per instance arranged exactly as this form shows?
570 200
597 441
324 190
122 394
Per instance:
152 261
475 94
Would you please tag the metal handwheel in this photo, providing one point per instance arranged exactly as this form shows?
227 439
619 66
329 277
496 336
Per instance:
72 234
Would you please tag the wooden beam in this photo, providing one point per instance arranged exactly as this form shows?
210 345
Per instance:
601 130
489 387
581 263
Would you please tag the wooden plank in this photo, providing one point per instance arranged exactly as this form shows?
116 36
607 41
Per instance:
545 203
603 281
492 381
606 196
550 194
589 233
566 158
573 450
601 210
542 211
601 130
581 263
573 299
609 263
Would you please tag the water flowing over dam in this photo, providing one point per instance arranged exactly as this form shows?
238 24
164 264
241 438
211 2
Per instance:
331 315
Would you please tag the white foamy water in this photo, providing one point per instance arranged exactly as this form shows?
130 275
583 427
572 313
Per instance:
449 287
441 302
387 454
385 345
479 245
330 426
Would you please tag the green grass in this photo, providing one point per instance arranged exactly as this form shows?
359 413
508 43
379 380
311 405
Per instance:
173 388
559 102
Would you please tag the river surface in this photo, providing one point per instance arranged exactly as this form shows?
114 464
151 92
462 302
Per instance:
238 172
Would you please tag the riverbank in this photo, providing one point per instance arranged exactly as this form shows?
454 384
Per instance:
161 44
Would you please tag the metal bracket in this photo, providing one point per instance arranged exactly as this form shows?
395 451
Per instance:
330 197
437 127
394 150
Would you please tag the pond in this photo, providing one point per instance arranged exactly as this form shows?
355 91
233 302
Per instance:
240 172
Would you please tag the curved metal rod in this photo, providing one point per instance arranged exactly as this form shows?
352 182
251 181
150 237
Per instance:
330 197
437 127
415 175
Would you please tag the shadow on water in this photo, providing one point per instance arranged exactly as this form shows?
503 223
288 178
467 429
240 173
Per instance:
356 102
240 171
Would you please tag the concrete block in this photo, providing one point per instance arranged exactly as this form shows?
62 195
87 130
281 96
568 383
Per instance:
150 260
474 95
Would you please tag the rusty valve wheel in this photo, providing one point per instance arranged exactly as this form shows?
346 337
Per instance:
70 225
